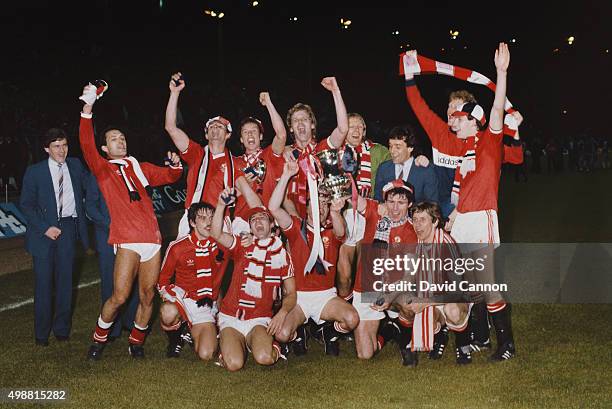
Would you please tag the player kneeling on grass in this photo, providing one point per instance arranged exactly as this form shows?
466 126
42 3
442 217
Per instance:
433 243
386 224
261 269
316 295
197 264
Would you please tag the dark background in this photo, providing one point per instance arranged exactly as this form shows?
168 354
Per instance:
51 49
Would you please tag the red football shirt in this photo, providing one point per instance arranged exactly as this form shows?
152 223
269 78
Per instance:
236 302
402 234
479 188
298 187
217 168
300 251
181 261
274 170
131 222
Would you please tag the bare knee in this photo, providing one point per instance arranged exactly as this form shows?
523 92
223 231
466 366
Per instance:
119 298
453 314
264 356
365 352
168 314
284 335
233 363
351 319
206 353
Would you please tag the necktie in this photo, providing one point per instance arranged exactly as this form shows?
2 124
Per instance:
401 174
60 189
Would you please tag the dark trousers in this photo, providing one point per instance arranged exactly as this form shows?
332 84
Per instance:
106 263
54 271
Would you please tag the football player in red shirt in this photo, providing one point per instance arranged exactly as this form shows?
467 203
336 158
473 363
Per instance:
302 124
389 224
262 271
125 184
197 265
251 136
316 292
211 168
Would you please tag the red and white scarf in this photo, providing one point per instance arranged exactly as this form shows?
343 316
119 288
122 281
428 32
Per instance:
268 263
228 174
513 152
442 246
228 181
252 159
466 164
206 253
299 185
130 183
364 177
423 330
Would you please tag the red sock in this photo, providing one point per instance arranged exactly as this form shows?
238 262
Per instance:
137 335
102 329
276 346
497 307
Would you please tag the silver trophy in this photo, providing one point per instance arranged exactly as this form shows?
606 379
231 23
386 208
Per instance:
257 170
335 182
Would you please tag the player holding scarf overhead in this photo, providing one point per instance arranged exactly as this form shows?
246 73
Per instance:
476 184
211 168
316 291
125 184
262 271
251 136
302 124
197 265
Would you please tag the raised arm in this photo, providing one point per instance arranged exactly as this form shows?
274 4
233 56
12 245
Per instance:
339 133
502 60
163 175
179 138
283 218
434 126
86 131
216 228
252 198
338 222
280 133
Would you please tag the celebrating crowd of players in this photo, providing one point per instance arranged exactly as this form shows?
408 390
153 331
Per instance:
293 251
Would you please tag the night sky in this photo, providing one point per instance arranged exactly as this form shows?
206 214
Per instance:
52 49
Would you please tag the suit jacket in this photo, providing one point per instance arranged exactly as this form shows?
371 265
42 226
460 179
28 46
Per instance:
39 207
95 205
423 179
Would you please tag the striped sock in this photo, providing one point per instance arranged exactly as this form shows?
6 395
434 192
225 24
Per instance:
137 335
276 347
496 307
102 329
338 327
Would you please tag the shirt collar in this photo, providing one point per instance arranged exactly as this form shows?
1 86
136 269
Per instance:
54 163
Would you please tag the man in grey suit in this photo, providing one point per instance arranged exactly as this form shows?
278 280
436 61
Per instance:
52 203
402 141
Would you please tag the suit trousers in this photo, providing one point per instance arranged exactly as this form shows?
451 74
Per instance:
53 273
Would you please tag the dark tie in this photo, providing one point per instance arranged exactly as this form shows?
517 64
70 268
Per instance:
401 174
60 189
